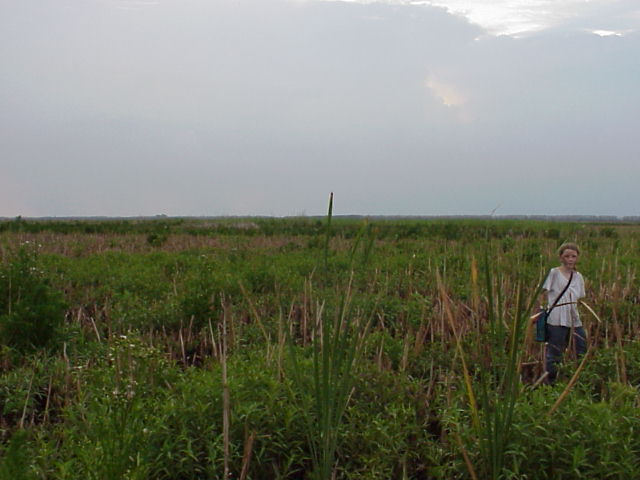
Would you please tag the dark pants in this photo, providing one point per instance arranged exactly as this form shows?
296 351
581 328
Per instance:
558 339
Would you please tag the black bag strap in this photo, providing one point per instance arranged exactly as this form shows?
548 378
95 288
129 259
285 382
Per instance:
566 287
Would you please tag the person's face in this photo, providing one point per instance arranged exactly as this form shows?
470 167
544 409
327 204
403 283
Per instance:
569 258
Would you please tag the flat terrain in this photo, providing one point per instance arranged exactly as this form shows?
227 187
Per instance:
270 348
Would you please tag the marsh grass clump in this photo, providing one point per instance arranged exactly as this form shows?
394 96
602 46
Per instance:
338 341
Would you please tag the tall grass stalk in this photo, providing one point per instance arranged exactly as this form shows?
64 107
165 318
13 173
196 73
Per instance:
337 344
247 453
473 405
26 401
498 404
328 232
226 402
570 385
254 312
465 456
336 349
491 310
499 385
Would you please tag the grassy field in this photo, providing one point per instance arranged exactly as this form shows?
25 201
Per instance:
310 348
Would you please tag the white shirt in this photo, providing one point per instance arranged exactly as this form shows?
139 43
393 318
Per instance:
565 313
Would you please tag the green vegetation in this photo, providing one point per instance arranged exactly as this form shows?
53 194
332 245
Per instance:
31 312
294 348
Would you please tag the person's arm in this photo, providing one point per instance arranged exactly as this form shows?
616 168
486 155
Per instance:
542 301
546 288
581 289
543 297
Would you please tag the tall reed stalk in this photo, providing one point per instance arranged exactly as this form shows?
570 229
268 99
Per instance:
328 232
499 384
336 349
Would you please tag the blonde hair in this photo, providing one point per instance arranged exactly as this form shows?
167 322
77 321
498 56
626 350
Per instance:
568 246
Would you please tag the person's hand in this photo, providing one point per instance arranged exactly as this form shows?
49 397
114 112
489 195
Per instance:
535 316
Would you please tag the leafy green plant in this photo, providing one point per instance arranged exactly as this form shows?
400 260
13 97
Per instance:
584 439
31 311
15 458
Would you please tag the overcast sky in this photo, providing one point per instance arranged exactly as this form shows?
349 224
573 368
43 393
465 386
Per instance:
264 107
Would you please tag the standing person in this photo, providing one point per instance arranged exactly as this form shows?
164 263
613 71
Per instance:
564 323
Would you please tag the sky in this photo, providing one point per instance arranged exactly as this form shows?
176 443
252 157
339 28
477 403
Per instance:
264 107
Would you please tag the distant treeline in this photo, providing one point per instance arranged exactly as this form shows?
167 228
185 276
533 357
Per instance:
471 228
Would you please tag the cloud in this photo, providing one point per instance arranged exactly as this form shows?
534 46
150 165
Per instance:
263 107
447 93
522 17
451 96
607 33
